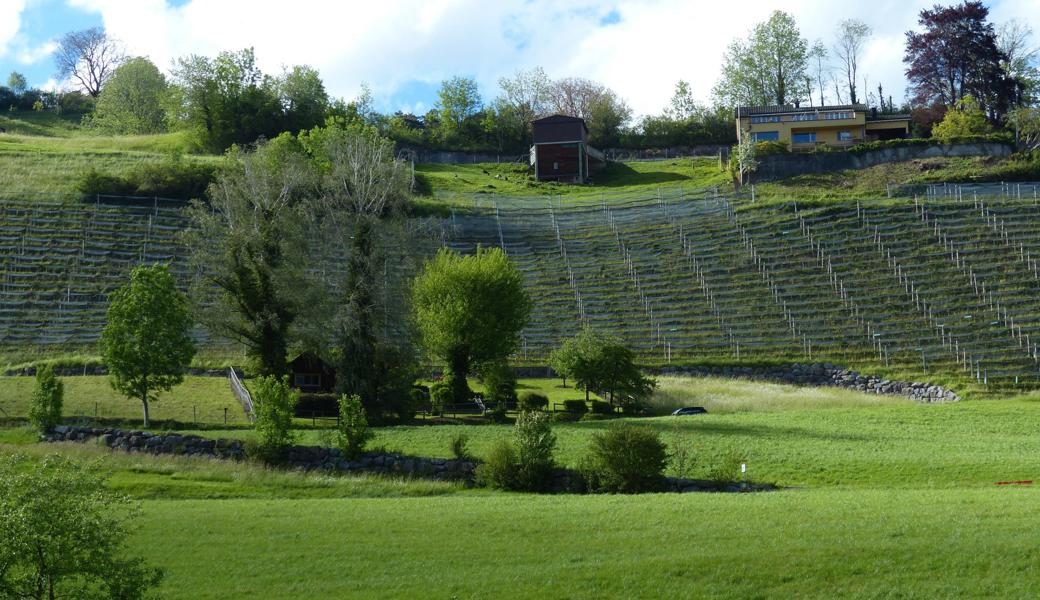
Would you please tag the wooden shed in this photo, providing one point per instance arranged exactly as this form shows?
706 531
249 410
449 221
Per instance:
560 150
311 375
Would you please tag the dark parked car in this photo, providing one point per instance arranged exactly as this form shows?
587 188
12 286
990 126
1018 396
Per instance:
689 410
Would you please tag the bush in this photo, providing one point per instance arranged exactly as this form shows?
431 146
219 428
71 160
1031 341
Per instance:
46 401
533 402
274 405
625 459
602 408
353 426
499 468
768 148
535 442
459 449
727 470
173 178
575 407
441 396
526 463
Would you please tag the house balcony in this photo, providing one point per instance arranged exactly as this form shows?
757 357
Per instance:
810 147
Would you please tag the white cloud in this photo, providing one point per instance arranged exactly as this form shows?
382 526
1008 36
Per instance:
390 43
29 55
10 22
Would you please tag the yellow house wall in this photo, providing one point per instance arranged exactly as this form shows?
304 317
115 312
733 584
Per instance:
826 130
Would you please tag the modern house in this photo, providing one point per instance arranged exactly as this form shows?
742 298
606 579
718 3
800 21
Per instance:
561 151
806 129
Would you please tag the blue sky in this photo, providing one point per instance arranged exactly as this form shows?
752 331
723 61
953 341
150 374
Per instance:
402 49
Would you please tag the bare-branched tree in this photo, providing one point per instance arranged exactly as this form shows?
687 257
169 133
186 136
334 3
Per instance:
88 57
852 35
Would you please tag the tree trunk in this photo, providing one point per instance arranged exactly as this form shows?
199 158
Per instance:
144 403
459 364
586 393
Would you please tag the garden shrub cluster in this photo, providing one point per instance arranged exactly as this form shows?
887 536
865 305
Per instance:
353 426
524 463
274 405
1001 138
532 401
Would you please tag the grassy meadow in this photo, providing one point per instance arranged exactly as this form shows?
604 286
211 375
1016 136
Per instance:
878 495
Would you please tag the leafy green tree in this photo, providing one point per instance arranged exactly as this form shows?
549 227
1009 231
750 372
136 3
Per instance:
964 119
745 157
274 406
303 97
353 426
226 100
63 534
248 244
146 343
17 82
682 105
458 99
470 309
767 68
46 401
602 363
526 94
577 358
132 100
535 443
1026 123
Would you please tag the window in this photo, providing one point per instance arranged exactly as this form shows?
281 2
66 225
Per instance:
845 136
765 136
766 119
307 380
804 138
806 117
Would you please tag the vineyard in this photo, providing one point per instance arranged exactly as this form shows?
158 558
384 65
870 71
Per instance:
946 281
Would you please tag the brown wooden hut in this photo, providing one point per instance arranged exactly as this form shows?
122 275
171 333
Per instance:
560 150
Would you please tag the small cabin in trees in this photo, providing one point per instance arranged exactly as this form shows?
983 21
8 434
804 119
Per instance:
311 375
561 151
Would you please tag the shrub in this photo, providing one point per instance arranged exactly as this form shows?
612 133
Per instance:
46 401
535 442
768 148
353 426
441 395
602 408
172 178
531 402
964 119
576 407
459 449
727 470
625 459
274 405
499 385
499 468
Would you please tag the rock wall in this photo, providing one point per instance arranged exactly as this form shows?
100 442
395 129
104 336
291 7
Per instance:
778 166
300 457
103 370
824 374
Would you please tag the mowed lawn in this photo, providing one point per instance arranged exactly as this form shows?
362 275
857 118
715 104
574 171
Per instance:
820 544
200 398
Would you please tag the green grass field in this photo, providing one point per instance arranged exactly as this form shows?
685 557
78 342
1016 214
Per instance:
512 179
881 495
93 396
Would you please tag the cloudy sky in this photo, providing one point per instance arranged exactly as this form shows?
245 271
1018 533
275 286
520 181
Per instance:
402 49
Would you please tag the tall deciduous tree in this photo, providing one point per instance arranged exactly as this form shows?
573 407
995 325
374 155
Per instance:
63 534
767 68
1019 60
527 93
303 97
16 81
849 40
248 245
458 99
956 55
363 189
88 57
820 68
132 100
682 106
470 309
146 343
605 113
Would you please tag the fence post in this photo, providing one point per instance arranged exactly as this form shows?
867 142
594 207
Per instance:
194 415
225 415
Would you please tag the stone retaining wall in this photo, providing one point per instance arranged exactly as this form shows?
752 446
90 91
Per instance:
824 374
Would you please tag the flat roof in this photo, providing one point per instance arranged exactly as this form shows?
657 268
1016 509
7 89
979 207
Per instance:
785 109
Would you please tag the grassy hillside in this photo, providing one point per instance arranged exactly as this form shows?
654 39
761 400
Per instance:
512 179
44 155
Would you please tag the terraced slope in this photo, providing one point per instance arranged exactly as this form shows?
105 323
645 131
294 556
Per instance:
948 282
